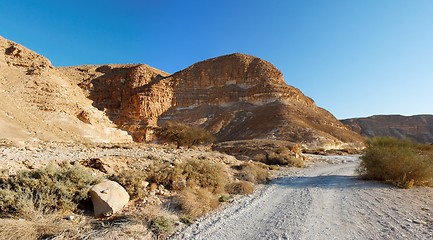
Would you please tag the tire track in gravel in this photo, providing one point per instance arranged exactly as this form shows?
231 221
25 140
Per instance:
325 201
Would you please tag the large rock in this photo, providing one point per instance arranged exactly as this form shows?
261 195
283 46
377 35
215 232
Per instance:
108 197
418 128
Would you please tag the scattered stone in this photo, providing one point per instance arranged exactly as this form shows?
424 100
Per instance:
108 197
419 222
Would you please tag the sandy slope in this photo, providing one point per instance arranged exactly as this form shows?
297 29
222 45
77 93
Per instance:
325 201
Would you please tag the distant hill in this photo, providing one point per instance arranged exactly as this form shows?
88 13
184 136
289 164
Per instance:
418 128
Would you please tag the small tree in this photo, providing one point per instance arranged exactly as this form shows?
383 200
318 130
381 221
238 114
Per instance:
184 135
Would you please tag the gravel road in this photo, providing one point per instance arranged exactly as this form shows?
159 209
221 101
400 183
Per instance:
324 201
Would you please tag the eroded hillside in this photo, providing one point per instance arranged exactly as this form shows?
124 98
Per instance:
235 96
39 103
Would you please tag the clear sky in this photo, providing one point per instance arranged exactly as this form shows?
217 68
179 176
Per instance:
355 58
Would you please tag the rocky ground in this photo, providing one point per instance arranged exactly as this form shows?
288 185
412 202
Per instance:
28 156
323 201
132 221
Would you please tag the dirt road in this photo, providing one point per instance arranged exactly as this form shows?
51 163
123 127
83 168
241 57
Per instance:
325 201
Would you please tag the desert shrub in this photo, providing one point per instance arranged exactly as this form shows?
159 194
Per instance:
161 174
161 225
201 173
281 156
191 173
47 227
50 189
253 173
398 161
241 187
184 135
134 182
196 202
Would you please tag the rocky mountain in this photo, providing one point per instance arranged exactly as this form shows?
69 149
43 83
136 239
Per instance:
236 96
418 128
37 102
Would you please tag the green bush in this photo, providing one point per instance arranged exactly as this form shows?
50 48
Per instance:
161 225
401 162
184 135
50 189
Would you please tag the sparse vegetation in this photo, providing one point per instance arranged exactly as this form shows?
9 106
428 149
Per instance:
201 173
184 135
197 202
133 181
253 173
281 156
47 190
161 225
400 162
191 173
240 187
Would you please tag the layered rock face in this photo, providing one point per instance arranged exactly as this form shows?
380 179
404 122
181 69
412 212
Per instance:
235 96
39 103
418 128
132 96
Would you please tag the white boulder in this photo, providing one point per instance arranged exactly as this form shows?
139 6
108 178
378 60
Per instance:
108 197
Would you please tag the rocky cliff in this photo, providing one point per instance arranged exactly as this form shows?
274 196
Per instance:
418 128
39 103
235 96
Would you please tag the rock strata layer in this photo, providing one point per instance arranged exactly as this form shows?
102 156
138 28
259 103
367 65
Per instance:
418 128
236 96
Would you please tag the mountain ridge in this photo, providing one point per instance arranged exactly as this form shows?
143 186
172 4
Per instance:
236 96
416 127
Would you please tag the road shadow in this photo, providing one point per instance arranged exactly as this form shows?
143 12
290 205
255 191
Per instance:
328 182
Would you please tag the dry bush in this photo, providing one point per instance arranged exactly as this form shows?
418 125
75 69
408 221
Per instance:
161 225
50 189
40 227
241 187
134 182
201 173
253 173
184 135
196 202
397 161
281 156
161 174
191 173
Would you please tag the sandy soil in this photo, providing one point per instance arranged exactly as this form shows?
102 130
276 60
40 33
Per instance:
324 201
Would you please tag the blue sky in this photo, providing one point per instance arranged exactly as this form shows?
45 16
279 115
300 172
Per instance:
355 58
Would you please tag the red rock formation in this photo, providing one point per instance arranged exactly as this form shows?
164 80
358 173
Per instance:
236 96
